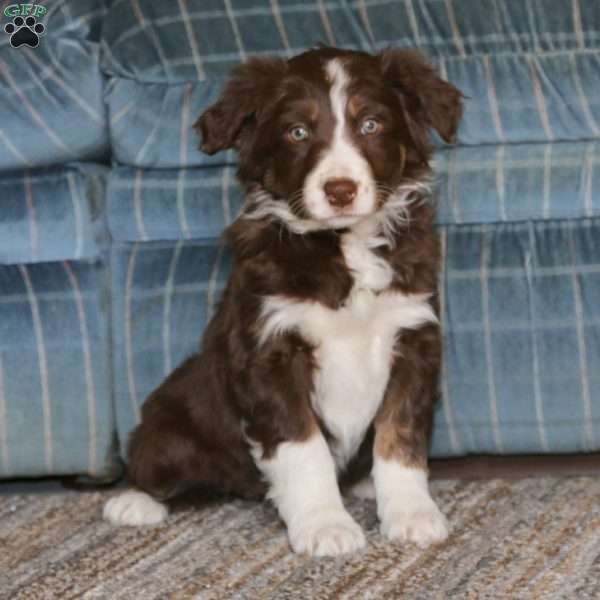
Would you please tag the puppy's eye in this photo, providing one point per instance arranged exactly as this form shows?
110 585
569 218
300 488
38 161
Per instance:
370 127
298 133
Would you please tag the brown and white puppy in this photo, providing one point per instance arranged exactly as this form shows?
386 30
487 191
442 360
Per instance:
321 363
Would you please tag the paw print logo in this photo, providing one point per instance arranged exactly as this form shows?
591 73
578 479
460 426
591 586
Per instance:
24 32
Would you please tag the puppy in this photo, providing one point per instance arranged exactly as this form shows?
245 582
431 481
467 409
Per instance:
321 363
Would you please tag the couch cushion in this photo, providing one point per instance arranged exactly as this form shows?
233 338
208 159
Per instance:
509 98
200 39
52 214
56 414
51 97
518 182
203 39
51 105
462 27
521 321
164 294
529 75
171 204
522 325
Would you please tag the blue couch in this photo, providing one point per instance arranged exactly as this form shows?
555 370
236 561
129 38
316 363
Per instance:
110 264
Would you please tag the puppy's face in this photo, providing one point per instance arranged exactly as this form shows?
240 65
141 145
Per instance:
331 133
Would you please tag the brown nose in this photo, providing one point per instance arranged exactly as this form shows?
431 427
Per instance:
340 192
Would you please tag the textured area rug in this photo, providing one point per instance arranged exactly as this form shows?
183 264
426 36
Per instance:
534 538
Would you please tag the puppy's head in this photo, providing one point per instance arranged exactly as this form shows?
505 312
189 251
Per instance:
332 133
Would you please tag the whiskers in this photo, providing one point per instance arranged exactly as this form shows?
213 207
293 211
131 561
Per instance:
395 205
262 204
296 202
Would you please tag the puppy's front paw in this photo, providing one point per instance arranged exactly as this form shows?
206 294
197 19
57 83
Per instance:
416 520
327 533
134 508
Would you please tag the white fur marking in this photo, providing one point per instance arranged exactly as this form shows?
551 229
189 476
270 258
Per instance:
371 272
304 489
354 344
134 508
342 160
405 508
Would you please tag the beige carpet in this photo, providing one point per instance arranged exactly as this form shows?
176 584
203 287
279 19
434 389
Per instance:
535 538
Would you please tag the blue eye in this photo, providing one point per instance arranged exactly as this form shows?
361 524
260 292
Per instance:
370 127
298 133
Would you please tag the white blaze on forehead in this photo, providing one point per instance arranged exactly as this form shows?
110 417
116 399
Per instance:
338 95
342 159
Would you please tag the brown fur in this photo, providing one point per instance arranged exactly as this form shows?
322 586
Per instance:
193 428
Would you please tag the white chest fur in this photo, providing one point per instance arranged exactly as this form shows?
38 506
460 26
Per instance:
354 344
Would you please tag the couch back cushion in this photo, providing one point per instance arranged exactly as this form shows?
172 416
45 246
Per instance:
529 69
51 97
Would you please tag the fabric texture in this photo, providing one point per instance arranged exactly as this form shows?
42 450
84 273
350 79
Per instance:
509 98
51 97
147 204
56 409
523 540
522 350
518 182
52 214
56 412
164 295
161 42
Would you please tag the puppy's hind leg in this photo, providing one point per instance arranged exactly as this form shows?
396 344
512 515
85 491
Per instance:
189 445
134 508
150 477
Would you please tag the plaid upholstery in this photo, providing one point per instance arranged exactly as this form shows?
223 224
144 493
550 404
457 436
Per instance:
516 182
169 205
164 295
52 214
509 99
523 338
37 84
522 326
529 70
202 39
142 114
56 414
460 27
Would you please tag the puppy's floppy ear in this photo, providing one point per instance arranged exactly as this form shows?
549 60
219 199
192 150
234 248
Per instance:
250 86
427 99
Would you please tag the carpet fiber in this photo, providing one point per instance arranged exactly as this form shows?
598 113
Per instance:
533 538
